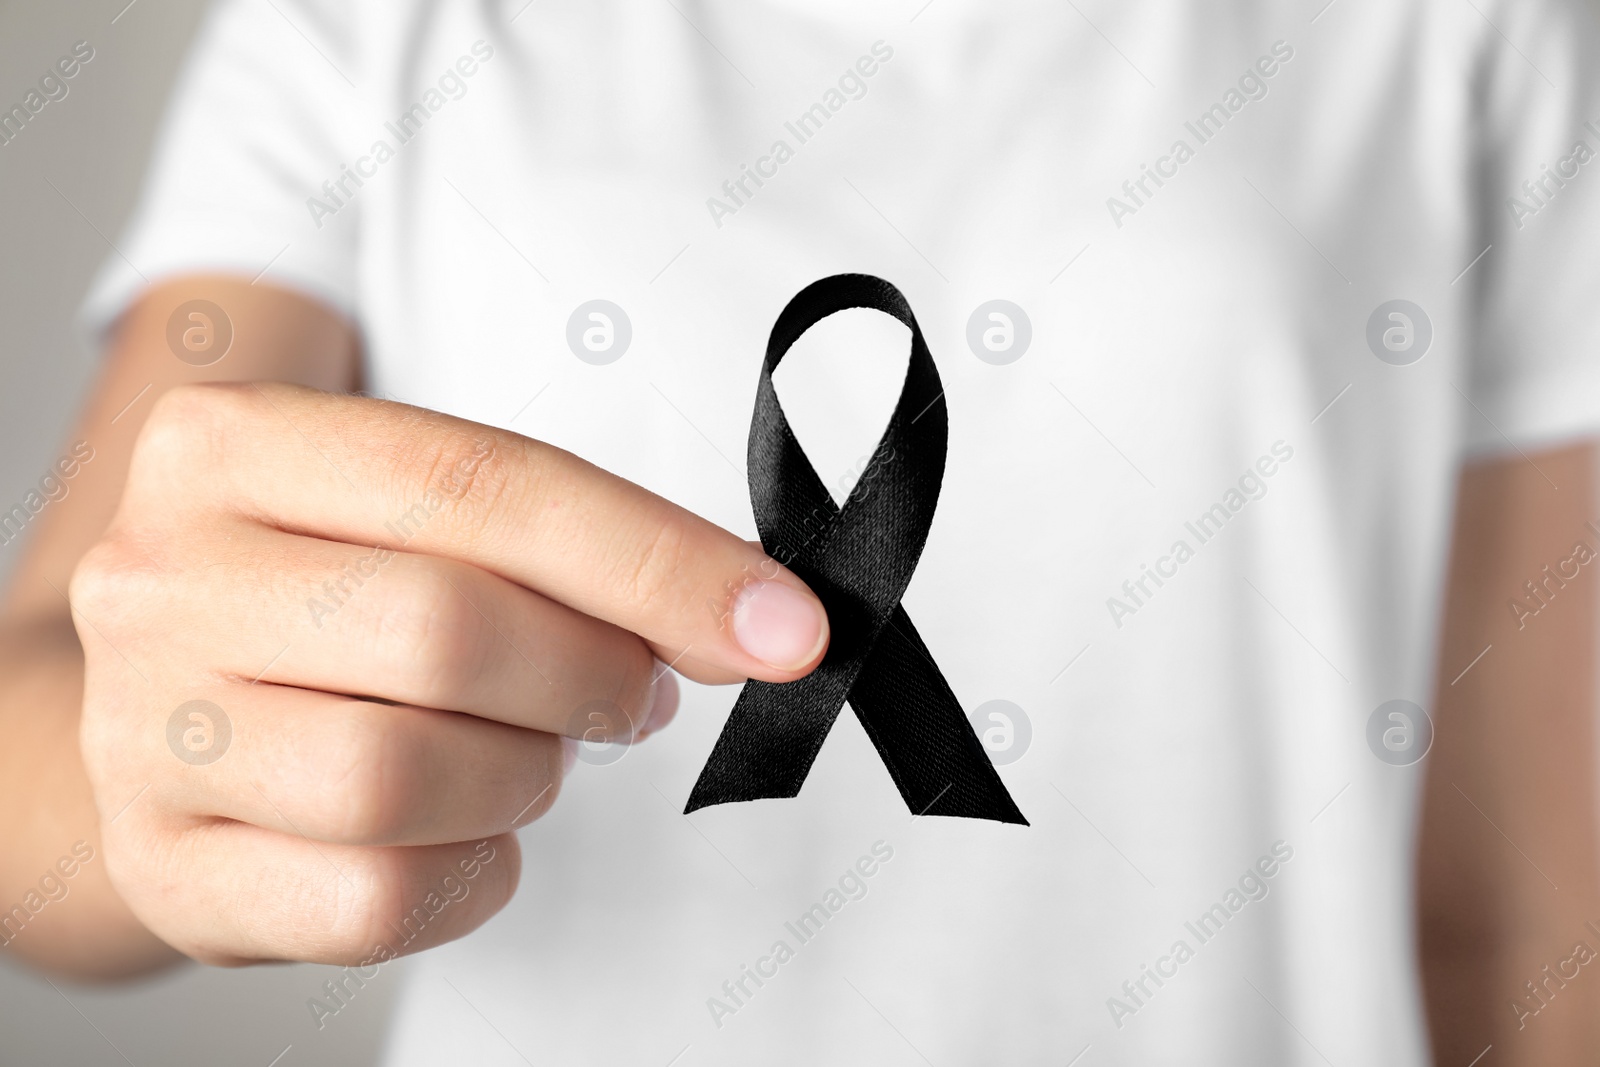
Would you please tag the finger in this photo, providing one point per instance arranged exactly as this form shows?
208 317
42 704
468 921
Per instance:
293 899
704 673
348 771
665 708
372 472
680 661
414 629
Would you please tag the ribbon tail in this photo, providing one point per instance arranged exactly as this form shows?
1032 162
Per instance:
921 733
771 738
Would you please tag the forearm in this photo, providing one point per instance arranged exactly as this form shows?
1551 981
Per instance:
58 910
1507 859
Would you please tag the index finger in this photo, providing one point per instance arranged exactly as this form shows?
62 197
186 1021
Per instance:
375 472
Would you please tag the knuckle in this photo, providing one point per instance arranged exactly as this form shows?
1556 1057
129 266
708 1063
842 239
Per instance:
162 871
118 572
197 402
189 422
143 865
372 772
100 578
467 476
412 899
438 640
330 920
650 577
366 906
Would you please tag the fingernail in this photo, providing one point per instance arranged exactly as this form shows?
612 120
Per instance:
569 755
779 625
663 704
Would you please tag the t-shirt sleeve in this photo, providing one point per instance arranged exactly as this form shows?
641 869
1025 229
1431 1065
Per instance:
254 129
1535 338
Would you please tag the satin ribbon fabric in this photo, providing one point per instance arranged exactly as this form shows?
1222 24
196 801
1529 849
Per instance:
858 559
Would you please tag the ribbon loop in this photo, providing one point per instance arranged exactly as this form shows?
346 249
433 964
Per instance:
858 559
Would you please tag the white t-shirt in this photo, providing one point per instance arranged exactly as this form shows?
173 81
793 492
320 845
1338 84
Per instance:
1203 213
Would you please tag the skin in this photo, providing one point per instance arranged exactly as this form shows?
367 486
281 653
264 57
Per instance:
209 514
374 747
1515 737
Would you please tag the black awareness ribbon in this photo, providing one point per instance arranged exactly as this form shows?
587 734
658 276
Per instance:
858 559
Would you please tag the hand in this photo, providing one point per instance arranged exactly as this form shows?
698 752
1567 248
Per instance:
399 615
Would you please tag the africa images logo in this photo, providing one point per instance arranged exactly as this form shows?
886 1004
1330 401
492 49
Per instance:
199 732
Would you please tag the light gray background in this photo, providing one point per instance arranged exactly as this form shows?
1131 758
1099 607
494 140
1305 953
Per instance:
92 145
